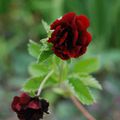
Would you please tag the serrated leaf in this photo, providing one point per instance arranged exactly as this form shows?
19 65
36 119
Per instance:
87 65
44 40
87 80
50 33
90 81
81 91
46 26
34 83
33 48
44 55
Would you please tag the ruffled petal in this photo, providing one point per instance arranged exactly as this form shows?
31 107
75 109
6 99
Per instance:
68 18
34 104
85 38
24 98
16 104
82 22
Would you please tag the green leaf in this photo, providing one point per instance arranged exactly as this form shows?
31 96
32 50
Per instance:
81 91
90 81
87 80
87 65
33 48
44 55
37 69
44 40
46 26
34 83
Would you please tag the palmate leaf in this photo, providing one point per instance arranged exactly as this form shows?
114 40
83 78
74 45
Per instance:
33 84
81 91
87 65
34 48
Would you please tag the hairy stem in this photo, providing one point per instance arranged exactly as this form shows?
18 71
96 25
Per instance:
43 82
82 109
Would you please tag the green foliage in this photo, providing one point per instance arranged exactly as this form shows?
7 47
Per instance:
87 65
81 91
87 80
40 51
44 55
79 82
90 81
33 84
34 48
46 26
36 69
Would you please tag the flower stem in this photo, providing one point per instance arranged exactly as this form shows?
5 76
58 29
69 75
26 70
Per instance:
43 82
82 109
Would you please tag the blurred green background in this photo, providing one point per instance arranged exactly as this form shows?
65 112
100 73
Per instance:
20 20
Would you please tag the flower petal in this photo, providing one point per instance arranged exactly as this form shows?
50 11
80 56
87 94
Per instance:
34 104
82 22
24 98
16 104
68 18
85 38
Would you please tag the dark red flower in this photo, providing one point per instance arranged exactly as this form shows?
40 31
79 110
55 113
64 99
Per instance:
70 37
29 108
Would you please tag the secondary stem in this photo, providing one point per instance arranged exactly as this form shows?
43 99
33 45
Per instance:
82 109
43 82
